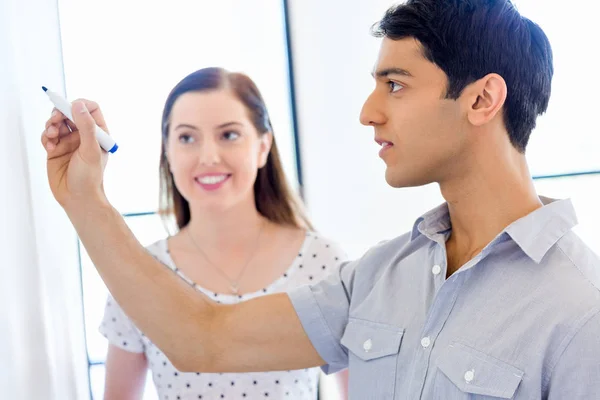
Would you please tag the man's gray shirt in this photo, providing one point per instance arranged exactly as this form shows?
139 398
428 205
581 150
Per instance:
521 320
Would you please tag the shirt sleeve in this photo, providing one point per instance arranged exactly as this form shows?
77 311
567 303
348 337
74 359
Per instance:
323 311
576 374
119 330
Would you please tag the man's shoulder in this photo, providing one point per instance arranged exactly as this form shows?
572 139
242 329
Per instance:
577 271
388 252
574 253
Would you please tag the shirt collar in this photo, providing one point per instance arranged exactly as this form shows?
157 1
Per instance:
534 233
538 231
432 222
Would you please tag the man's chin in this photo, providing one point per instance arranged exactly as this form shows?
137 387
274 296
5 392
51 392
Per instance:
401 181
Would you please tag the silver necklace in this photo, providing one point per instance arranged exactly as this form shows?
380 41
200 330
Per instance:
234 285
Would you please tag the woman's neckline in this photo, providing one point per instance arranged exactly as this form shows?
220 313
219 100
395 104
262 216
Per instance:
309 236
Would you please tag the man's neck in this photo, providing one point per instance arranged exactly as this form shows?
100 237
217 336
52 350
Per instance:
483 202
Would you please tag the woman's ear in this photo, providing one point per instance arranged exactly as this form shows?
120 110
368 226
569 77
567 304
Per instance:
165 151
266 141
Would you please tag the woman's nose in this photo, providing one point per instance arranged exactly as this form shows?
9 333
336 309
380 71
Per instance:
209 153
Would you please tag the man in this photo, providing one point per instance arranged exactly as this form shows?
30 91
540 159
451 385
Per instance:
491 295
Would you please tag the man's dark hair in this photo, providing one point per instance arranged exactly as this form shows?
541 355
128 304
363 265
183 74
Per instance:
468 39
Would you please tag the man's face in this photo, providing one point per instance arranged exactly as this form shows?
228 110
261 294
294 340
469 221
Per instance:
422 134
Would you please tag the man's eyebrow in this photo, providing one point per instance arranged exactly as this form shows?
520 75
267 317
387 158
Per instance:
383 73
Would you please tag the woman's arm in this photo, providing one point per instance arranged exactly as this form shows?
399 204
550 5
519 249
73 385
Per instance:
341 380
125 374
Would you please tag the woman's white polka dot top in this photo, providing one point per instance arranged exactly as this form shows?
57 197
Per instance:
317 258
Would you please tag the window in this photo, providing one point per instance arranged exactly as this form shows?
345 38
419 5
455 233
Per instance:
127 56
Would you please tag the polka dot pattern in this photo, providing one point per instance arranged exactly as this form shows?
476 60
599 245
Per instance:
316 259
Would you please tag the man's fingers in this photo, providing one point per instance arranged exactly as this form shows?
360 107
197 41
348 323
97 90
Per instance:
52 132
90 149
70 124
48 143
94 110
58 130
57 148
64 129
56 116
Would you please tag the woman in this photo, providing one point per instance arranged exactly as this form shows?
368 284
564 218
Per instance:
240 233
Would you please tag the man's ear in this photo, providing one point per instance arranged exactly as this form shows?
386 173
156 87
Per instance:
485 99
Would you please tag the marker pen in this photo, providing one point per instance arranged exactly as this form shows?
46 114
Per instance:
62 105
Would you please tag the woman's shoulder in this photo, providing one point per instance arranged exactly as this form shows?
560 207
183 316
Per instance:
317 243
159 249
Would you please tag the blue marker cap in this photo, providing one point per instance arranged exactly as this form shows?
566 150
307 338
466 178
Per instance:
114 148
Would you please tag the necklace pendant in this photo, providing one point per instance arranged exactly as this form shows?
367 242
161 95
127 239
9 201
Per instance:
235 289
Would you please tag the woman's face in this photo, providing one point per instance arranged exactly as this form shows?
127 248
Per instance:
214 150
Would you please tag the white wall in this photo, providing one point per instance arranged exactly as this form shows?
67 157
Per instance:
346 191
41 342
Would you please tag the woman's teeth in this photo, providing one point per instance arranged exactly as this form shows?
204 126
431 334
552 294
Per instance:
211 180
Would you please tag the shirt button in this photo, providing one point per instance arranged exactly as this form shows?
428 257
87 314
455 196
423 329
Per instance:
425 342
469 376
368 345
436 269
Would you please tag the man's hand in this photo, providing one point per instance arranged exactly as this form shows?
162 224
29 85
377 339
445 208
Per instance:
75 160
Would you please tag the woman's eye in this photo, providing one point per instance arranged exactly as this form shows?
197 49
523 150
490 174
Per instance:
184 138
230 135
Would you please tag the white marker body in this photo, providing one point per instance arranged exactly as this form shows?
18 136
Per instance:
61 104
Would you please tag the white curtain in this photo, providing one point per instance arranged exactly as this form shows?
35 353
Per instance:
42 346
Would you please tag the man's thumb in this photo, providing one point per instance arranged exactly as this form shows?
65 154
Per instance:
86 127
